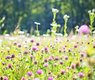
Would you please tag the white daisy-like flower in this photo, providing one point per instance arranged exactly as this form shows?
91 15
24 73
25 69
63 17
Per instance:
55 10
3 18
89 11
59 34
36 23
45 35
66 16
93 10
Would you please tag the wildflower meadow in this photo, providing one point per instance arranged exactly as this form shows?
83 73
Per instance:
51 56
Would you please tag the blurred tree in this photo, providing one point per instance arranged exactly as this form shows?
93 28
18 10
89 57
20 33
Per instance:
40 11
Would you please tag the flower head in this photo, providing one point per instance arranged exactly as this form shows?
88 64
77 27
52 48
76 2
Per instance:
37 44
39 71
89 11
8 57
32 40
46 49
36 23
45 65
65 17
12 56
50 78
34 48
29 73
55 10
5 78
9 65
23 78
63 72
80 74
93 10
73 66
66 57
84 29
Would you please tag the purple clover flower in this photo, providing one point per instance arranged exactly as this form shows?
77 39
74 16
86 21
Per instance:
29 73
50 58
46 65
34 48
5 78
25 52
46 49
61 62
66 57
9 65
39 71
15 43
84 29
19 45
63 72
37 44
8 57
12 56
31 40
50 78
56 58
23 78
45 60
73 66
80 74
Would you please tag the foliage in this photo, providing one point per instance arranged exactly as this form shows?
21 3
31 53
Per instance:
40 11
92 17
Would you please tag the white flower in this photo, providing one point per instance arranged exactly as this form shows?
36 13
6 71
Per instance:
59 34
36 23
55 24
94 32
45 35
93 10
77 28
55 10
66 16
3 18
7 35
89 11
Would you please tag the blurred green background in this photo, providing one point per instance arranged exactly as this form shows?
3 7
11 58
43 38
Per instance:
41 11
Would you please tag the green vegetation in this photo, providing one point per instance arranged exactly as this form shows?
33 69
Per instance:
41 11
40 46
68 58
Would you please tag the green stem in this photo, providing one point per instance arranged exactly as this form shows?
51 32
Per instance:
65 28
37 27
